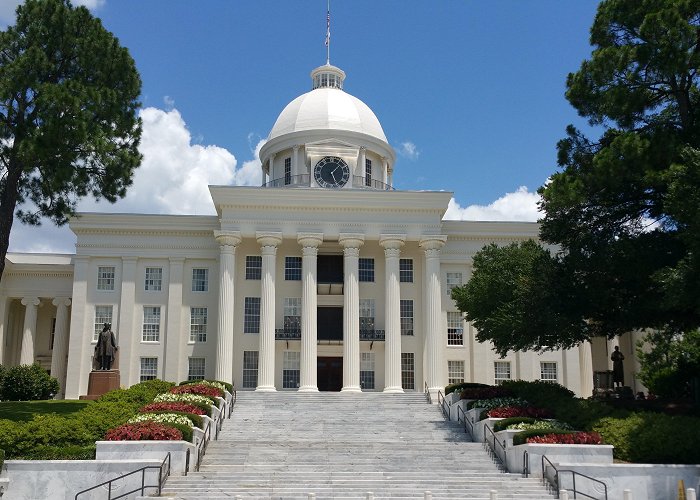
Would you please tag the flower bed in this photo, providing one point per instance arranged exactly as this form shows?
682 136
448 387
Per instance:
516 411
163 418
556 437
213 383
174 406
488 392
488 404
195 399
141 431
201 389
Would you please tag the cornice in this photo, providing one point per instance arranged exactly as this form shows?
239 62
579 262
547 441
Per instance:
40 274
143 246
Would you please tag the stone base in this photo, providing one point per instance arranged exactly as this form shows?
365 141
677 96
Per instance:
100 382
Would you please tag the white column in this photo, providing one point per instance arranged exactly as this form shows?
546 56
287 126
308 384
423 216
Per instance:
361 162
270 164
351 244
3 327
59 356
433 340
585 369
266 367
128 337
80 336
392 316
295 160
26 353
228 240
173 366
262 174
309 304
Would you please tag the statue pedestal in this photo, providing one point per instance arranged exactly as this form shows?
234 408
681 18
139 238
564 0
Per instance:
100 382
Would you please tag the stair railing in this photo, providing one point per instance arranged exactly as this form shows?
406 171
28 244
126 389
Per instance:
202 446
494 447
163 473
444 405
427 394
526 464
233 402
462 418
557 480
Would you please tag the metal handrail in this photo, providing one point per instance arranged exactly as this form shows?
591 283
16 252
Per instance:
161 480
492 448
202 446
444 405
574 473
427 393
233 402
290 180
526 464
468 426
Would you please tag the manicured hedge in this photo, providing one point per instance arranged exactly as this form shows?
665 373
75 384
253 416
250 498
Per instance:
26 383
461 386
229 387
502 425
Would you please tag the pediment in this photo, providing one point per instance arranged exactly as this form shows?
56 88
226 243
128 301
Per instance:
334 147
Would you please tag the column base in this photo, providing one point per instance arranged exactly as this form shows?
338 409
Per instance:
393 390
351 388
308 388
265 388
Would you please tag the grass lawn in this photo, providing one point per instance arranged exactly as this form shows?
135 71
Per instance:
22 411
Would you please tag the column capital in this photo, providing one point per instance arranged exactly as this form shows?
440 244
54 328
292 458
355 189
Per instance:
351 240
227 238
268 239
432 242
61 301
307 240
34 301
295 147
392 241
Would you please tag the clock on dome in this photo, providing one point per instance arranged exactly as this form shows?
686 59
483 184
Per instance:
331 172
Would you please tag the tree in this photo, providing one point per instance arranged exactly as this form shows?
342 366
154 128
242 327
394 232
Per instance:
669 363
68 115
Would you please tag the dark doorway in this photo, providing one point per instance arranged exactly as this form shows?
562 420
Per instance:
330 268
330 323
330 374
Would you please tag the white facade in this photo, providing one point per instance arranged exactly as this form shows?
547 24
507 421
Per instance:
323 278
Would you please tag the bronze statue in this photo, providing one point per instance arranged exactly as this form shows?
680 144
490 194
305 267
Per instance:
106 347
618 370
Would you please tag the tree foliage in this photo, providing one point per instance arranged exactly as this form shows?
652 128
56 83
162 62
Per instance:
624 209
669 363
68 114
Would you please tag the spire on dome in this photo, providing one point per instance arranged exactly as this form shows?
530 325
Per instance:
327 76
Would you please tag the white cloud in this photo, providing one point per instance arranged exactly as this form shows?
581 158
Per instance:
408 150
172 179
8 8
520 205
169 102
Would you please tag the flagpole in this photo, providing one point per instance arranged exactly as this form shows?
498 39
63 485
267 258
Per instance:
328 33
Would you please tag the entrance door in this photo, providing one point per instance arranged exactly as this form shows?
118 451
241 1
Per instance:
330 374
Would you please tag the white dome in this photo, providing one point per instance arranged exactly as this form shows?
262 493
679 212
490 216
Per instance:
327 109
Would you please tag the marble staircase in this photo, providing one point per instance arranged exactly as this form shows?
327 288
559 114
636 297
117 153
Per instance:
342 445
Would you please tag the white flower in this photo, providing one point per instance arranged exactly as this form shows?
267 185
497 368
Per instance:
163 418
185 398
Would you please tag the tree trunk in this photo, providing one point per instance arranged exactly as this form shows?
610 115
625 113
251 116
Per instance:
8 202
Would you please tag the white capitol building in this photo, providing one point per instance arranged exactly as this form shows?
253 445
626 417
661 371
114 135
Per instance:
323 278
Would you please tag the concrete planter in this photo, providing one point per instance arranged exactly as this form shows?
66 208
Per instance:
556 453
156 450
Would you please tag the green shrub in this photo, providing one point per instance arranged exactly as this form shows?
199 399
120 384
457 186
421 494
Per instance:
140 393
59 453
98 418
53 430
537 392
502 425
653 438
583 413
462 385
12 437
27 383
229 387
187 432
489 404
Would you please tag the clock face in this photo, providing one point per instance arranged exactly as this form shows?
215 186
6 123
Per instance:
331 172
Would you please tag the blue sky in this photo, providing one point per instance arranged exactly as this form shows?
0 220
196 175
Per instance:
470 93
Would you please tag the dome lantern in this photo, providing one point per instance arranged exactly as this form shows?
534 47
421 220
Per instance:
327 76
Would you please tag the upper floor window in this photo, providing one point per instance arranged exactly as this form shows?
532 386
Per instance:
292 314
368 172
287 171
103 314
453 280
406 308
196 368
292 268
406 270
200 280
105 278
198 324
154 279
366 269
455 332
455 372
149 369
367 315
501 371
548 371
253 267
251 315
150 331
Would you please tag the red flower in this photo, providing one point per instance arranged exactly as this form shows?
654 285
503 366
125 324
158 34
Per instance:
144 431
172 406
519 411
204 390
569 438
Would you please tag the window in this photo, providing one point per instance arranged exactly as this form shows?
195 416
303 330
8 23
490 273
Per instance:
501 371
408 370
198 324
292 268
200 280
367 370
455 332
105 278
151 324
366 269
253 267
251 316
453 280
154 279
368 172
290 369
250 369
455 372
406 270
103 314
53 333
367 315
287 171
406 308
292 314
149 369
548 371
196 368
